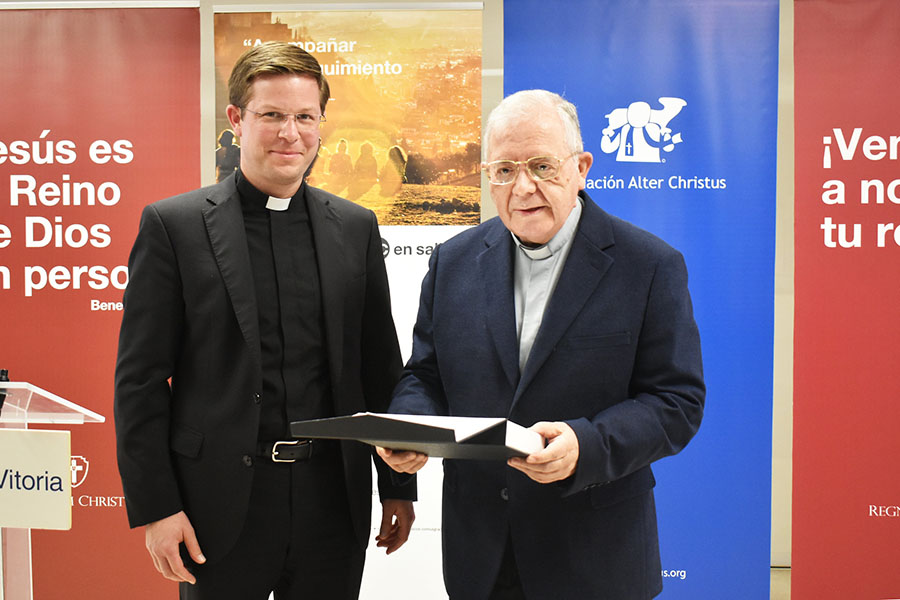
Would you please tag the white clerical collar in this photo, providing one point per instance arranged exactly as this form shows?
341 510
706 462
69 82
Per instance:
539 253
558 242
278 204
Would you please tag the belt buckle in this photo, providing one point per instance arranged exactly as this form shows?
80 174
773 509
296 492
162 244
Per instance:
275 451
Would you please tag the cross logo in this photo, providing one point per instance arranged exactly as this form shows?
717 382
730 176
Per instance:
80 467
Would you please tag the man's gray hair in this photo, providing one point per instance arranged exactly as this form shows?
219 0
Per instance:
524 103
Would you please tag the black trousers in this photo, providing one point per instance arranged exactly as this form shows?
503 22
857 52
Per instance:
297 541
508 585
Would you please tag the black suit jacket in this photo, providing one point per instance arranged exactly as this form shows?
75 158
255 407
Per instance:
617 357
189 374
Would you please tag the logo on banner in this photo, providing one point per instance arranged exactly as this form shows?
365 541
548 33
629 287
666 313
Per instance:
80 467
876 510
640 133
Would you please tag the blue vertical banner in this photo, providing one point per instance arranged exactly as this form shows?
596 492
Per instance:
678 102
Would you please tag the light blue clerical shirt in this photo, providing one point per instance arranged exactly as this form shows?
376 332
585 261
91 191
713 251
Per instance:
535 274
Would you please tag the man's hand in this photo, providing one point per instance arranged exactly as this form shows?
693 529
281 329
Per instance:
402 462
557 460
162 539
397 517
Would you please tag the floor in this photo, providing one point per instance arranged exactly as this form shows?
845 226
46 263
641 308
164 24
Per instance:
781 584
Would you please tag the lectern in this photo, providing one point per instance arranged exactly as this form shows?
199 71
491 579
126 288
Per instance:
35 476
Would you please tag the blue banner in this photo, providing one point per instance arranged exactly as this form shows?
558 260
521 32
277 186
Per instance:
678 100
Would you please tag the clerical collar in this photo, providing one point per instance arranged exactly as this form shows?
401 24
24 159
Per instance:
558 241
278 203
260 200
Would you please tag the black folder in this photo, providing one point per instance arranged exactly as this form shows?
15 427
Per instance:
484 438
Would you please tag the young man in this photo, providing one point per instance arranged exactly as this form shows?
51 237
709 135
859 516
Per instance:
253 303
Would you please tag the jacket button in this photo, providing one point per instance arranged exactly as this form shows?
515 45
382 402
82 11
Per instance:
257 398
248 460
504 493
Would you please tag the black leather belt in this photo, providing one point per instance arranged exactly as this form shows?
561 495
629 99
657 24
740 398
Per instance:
286 451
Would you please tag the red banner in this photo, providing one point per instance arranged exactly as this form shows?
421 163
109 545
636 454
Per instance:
846 494
101 117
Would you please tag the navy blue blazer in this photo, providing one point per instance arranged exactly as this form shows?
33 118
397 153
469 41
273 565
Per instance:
617 357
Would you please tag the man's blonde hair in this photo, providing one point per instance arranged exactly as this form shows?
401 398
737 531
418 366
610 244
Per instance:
274 58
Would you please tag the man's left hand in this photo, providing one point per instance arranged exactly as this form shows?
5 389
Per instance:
397 517
557 460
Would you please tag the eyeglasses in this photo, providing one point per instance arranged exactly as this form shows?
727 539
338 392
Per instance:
539 168
304 121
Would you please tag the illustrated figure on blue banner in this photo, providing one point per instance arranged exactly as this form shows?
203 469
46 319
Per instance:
638 132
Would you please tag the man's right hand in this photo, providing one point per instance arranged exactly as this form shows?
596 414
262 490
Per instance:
402 462
162 539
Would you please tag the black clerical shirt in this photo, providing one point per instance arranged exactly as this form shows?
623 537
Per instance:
289 302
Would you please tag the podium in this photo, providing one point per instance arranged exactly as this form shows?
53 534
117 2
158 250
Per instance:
35 476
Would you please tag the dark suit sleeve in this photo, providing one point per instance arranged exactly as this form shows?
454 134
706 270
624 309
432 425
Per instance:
148 344
381 362
420 390
666 395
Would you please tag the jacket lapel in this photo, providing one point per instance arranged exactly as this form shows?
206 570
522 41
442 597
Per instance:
495 271
228 238
585 266
327 229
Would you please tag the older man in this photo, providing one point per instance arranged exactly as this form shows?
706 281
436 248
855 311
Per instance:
564 318
252 303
